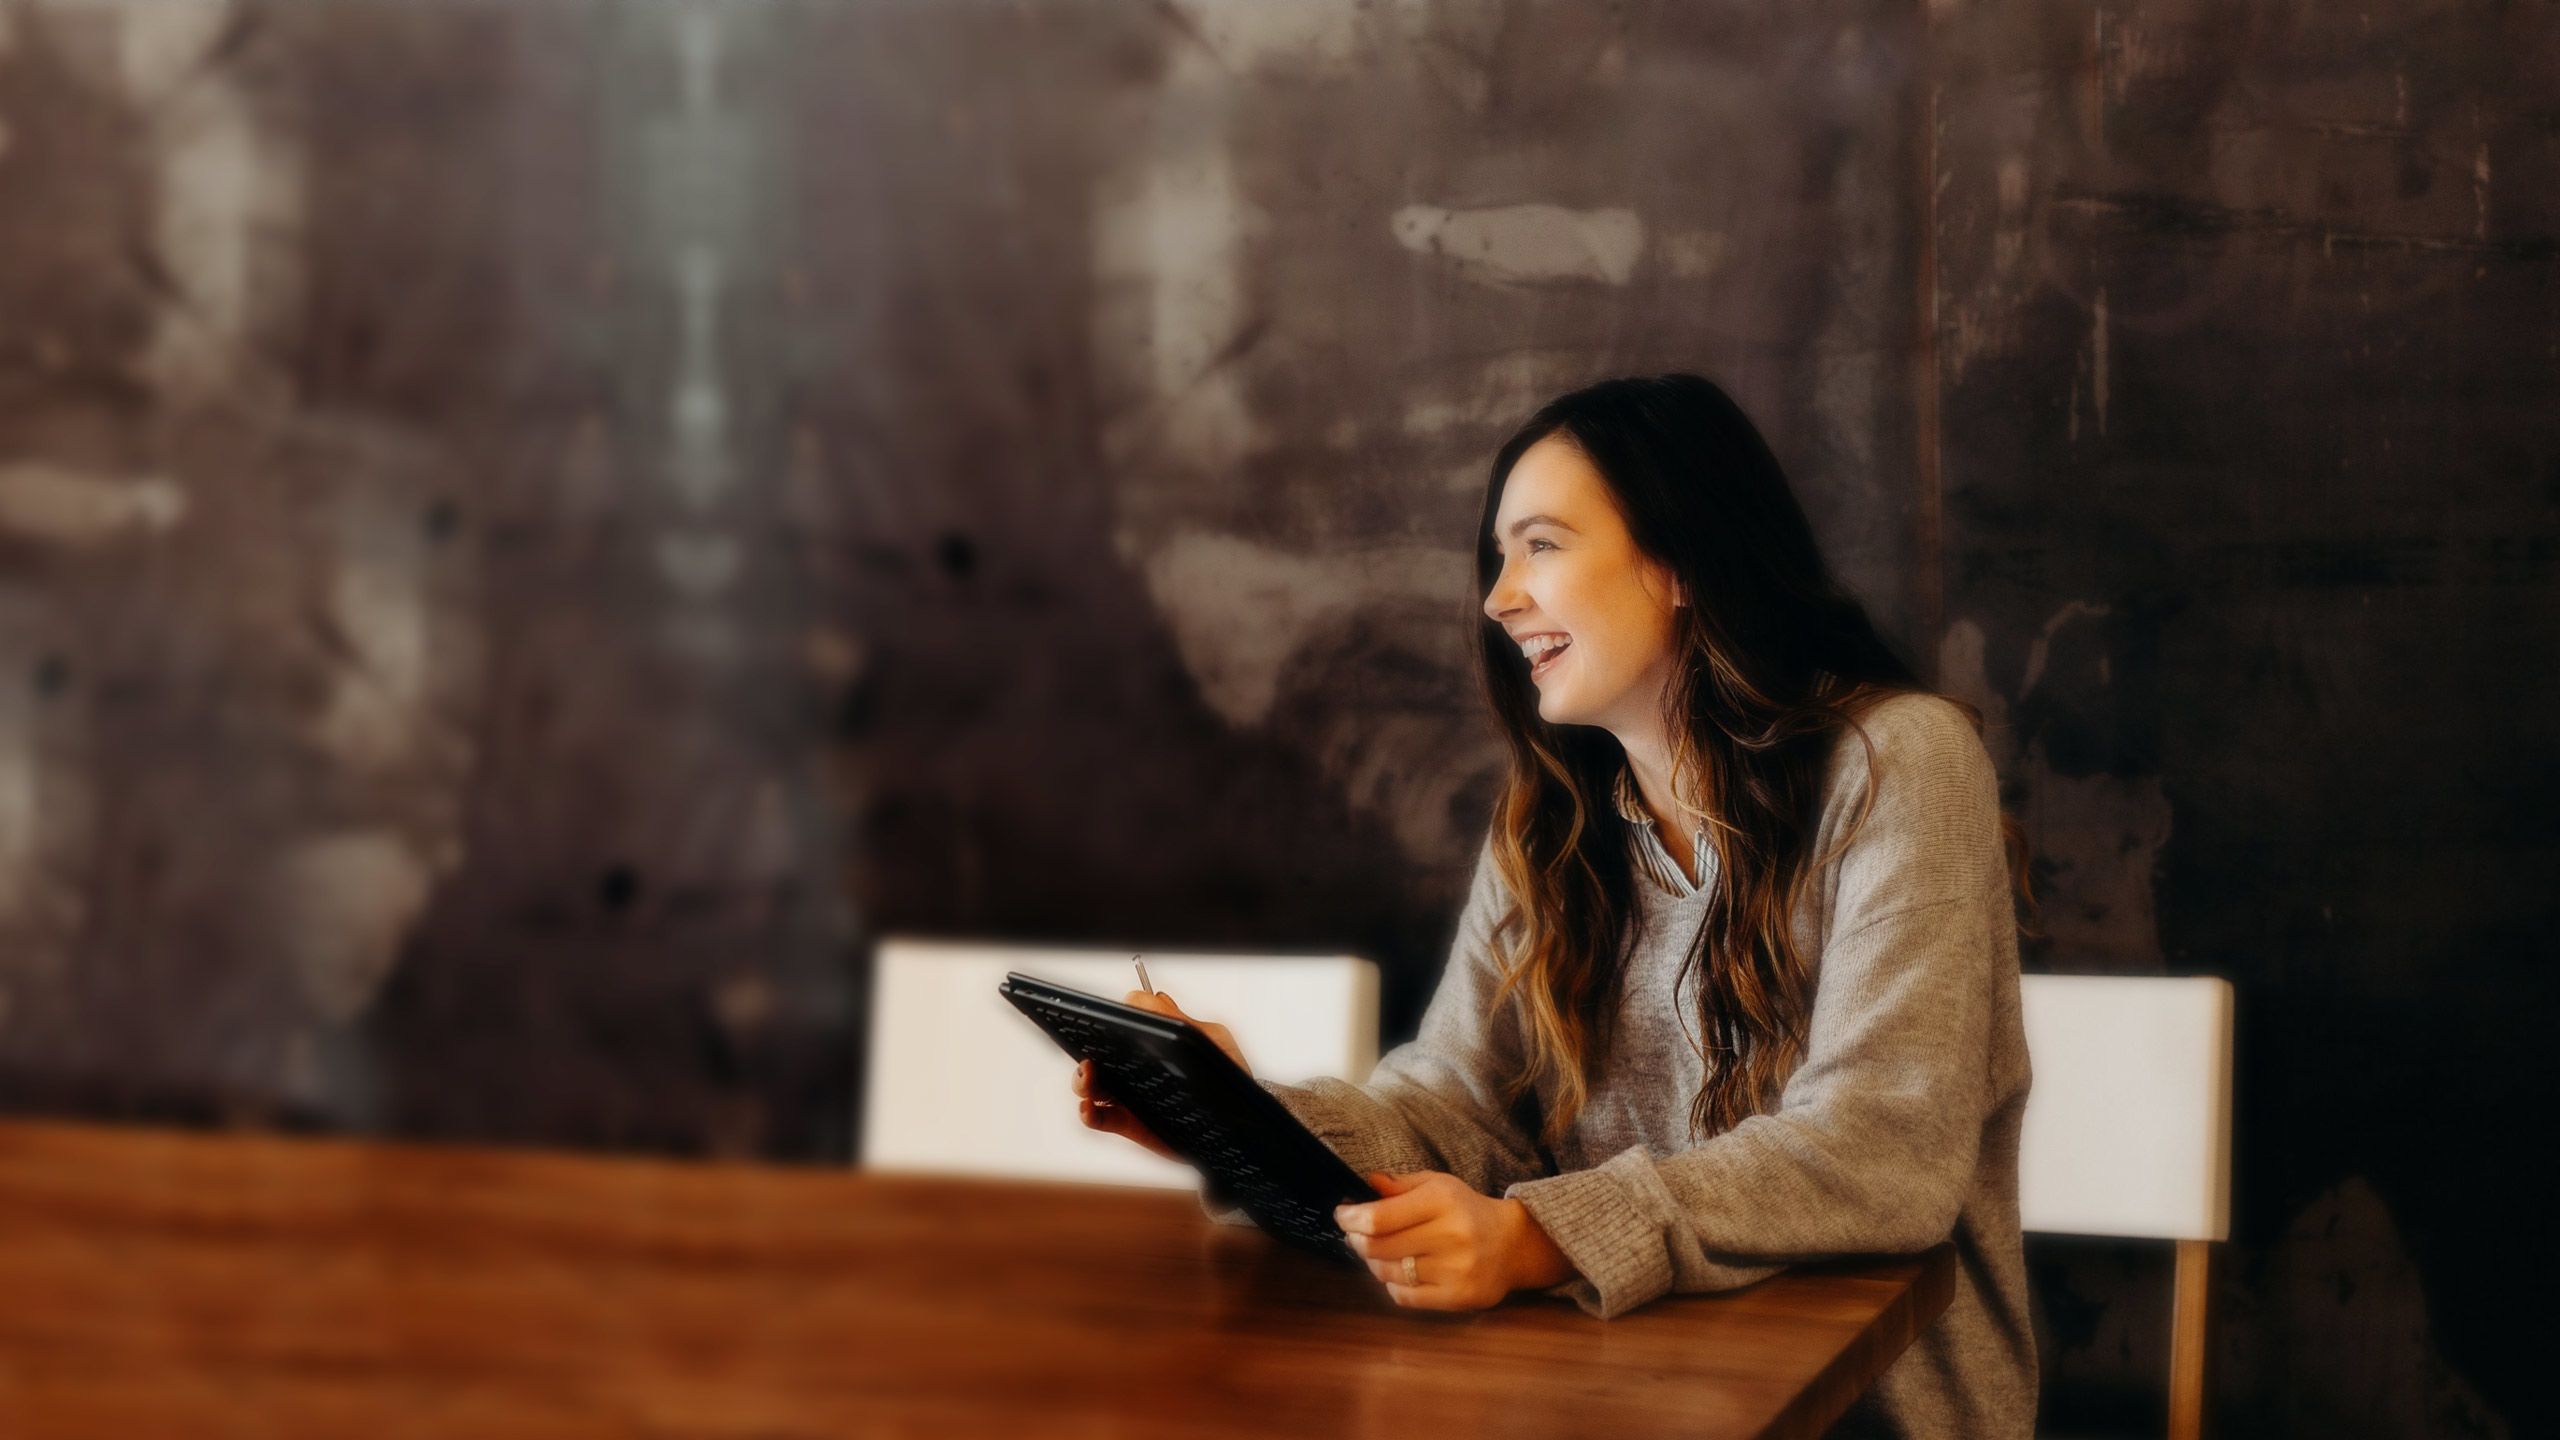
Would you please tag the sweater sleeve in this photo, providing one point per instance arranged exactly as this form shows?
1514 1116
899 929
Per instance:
1872 1147
1434 1102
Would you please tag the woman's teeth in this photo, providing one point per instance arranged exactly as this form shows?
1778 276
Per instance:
1541 650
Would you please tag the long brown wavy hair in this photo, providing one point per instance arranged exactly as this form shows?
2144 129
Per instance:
1779 659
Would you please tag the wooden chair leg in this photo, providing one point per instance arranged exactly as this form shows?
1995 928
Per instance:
2186 1340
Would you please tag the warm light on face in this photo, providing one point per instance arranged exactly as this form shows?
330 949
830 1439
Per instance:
1572 573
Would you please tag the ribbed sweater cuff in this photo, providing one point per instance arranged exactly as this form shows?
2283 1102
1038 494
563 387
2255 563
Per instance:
1364 1133
1616 1251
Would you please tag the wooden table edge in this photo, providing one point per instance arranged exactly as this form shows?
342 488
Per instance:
1832 1391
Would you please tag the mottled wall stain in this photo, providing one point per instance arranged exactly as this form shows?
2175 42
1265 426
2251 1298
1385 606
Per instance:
528 533
2350 1349
356 733
1526 244
2248 340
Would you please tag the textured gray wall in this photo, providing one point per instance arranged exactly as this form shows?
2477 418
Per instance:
2247 323
528 532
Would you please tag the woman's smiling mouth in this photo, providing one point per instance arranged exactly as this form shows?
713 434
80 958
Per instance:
1541 651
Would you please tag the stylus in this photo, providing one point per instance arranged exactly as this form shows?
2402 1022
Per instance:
1142 974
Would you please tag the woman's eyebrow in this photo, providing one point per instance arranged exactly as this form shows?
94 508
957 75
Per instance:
1525 521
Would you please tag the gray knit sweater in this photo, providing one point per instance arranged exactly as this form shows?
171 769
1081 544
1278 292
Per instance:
1897 1131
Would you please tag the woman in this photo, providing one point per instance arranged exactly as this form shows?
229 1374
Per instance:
1736 983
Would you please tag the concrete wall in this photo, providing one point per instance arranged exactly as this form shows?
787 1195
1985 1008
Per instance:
528 532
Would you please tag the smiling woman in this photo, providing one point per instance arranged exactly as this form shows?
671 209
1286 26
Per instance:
1593 615
1736 984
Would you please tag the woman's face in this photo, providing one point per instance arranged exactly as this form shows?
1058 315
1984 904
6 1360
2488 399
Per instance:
1595 612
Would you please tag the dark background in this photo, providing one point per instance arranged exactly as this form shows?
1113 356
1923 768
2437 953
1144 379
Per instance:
529 534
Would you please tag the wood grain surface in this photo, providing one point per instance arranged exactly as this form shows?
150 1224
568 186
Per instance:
180 1284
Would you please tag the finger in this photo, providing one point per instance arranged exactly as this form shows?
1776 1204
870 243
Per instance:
1423 1297
1091 1087
1391 1273
1394 1213
1157 1001
1419 1241
1114 1121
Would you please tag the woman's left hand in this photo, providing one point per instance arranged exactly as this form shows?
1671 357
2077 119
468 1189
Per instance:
1468 1250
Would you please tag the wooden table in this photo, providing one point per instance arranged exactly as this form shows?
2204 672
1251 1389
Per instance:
155 1283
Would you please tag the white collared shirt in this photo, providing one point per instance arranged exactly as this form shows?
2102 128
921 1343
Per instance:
1657 861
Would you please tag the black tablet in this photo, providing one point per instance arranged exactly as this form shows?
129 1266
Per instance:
1197 1100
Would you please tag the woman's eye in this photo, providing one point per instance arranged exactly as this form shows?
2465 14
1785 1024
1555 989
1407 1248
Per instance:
1534 544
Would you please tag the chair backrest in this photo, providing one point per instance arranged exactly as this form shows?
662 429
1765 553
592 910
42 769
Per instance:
2128 1126
959 1082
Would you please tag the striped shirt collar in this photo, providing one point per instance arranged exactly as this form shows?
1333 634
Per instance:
1650 851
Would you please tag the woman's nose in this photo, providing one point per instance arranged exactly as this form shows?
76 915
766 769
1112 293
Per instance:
1503 598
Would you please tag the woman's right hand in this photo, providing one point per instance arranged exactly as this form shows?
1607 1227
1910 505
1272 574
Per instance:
1100 1112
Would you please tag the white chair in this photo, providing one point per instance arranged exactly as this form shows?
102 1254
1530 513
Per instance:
959 1082
2128 1133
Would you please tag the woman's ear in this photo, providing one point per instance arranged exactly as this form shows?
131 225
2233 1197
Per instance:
1655 577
